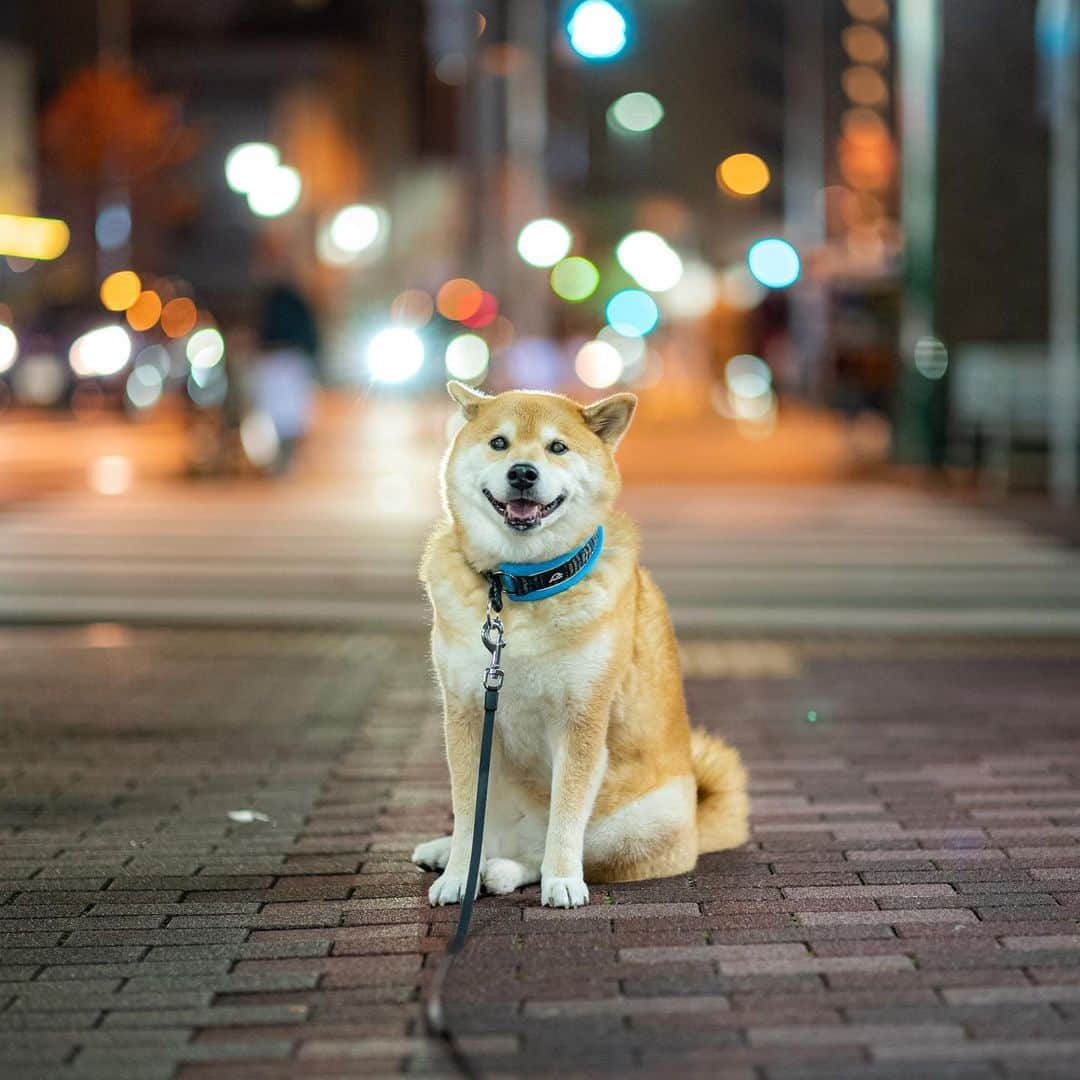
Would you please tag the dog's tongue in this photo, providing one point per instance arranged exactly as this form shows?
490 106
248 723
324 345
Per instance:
520 511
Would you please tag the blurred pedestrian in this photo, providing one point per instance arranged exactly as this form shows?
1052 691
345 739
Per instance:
283 375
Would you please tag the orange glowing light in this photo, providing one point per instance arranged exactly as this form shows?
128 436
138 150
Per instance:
459 299
865 86
743 174
120 290
865 45
868 10
485 313
178 317
146 310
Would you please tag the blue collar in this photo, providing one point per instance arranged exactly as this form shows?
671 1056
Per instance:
537 581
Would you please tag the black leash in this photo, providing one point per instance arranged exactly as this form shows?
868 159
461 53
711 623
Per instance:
492 636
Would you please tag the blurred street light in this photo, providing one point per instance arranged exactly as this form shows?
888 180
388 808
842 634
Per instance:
353 231
276 192
113 226
9 348
247 163
103 351
395 355
649 260
205 349
544 242
635 113
597 30
120 290
774 262
32 238
598 364
574 279
743 174
467 357
632 313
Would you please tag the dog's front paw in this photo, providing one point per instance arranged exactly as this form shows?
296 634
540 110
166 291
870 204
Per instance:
449 888
432 855
564 892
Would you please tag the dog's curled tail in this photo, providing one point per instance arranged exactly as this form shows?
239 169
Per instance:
723 807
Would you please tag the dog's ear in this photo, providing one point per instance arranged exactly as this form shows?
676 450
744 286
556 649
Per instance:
467 398
610 417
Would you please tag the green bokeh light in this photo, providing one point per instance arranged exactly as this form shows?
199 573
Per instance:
574 279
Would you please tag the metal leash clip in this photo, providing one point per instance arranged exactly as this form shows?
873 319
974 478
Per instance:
494 642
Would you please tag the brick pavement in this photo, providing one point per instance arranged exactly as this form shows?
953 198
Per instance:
908 905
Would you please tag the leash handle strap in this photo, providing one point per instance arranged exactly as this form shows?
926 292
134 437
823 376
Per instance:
491 704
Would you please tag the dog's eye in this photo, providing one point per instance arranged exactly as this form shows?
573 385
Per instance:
558 447
498 443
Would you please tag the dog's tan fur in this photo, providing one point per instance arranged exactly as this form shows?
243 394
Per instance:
596 772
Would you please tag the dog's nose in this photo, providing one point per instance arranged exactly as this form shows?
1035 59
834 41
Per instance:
522 476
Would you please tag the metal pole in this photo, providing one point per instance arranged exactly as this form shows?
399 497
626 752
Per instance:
804 178
920 404
1059 29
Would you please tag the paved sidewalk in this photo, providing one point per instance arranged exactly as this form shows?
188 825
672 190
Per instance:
908 905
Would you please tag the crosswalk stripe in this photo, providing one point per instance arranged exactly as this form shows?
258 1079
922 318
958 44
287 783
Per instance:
730 561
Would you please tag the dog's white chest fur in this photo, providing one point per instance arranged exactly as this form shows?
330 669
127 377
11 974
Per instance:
547 680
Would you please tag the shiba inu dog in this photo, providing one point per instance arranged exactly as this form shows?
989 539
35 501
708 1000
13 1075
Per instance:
596 774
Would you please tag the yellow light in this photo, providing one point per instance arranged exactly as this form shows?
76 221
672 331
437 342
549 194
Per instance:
743 174
120 290
32 238
574 279
145 312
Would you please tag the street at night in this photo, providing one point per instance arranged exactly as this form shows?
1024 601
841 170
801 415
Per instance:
807 272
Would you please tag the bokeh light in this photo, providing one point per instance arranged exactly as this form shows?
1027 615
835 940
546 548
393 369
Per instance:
259 438
631 349
739 289
747 376
868 10
649 260
458 299
113 226
597 30
774 262
9 348
632 313
635 113
865 45
120 290
598 364
931 358
144 386
103 351
205 349
32 238
111 474
574 279
178 317
248 163
355 228
275 192
865 86
467 357
695 294
395 355
412 308
743 174
145 312
544 242
485 314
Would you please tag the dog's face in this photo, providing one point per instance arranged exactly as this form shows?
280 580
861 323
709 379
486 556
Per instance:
530 474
